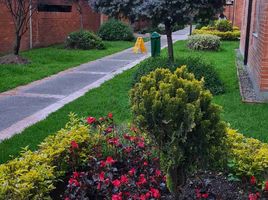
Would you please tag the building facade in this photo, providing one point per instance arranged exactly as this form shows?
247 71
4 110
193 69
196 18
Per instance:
254 43
234 11
51 23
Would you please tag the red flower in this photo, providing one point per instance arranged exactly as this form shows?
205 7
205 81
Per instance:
91 120
124 179
101 119
99 186
110 160
110 115
142 180
116 183
101 176
73 181
253 197
116 197
114 141
74 145
109 130
155 193
145 163
143 197
266 186
141 144
102 164
205 195
76 175
132 172
157 172
128 149
253 180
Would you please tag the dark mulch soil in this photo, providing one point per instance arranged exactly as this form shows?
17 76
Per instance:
217 186
13 59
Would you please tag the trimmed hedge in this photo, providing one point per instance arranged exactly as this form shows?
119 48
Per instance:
195 65
204 42
223 25
33 174
248 156
115 30
84 40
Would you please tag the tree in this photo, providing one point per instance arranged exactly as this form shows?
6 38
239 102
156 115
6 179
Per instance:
166 12
21 12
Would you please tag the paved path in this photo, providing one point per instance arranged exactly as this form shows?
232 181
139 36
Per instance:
26 105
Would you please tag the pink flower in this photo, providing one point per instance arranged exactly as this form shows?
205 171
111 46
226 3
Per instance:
116 183
142 180
116 197
110 160
102 164
145 163
114 141
110 115
101 176
253 197
252 180
101 119
91 120
99 186
266 186
74 145
205 196
128 149
124 179
143 197
141 144
109 130
132 172
155 193
76 175
157 173
73 181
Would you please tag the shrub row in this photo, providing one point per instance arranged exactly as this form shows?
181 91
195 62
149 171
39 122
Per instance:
229 35
34 174
196 65
204 42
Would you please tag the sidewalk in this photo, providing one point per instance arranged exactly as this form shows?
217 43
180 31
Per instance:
26 105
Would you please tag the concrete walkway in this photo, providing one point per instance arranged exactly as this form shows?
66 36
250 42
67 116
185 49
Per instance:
26 105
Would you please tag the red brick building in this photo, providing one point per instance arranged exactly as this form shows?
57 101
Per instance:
52 22
234 11
254 43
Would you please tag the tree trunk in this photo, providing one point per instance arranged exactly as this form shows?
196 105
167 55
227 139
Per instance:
170 42
17 44
191 28
178 179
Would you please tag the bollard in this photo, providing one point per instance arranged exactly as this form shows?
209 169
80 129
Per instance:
155 44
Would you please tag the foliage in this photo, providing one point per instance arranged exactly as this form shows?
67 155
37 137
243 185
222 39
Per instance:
131 171
84 40
176 111
229 35
223 25
33 174
248 156
195 64
113 30
204 42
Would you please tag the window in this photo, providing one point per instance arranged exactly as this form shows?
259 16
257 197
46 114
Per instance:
54 8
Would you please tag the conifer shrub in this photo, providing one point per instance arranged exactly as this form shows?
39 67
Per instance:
176 111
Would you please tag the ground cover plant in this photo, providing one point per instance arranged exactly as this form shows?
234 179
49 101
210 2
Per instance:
51 60
100 100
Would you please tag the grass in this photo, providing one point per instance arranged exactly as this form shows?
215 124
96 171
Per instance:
51 60
112 96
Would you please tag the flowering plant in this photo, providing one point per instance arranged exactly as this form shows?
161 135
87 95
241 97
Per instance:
130 172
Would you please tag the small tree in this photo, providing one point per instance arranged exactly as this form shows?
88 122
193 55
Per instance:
177 112
21 12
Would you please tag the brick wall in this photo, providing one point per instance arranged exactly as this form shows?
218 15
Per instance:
48 27
258 44
235 13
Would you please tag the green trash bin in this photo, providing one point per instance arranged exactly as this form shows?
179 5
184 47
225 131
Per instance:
155 44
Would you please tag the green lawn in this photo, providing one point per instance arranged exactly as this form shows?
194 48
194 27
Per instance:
51 60
112 96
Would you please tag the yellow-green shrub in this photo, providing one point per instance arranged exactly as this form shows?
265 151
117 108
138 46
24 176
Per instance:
32 175
248 156
229 35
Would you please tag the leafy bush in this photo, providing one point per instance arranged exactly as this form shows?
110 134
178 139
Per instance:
248 156
33 174
176 111
229 35
84 40
223 25
131 172
204 42
113 30
195 65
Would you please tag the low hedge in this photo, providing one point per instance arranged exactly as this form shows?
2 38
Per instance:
33 174
229 35
196 65
204 42
248 156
